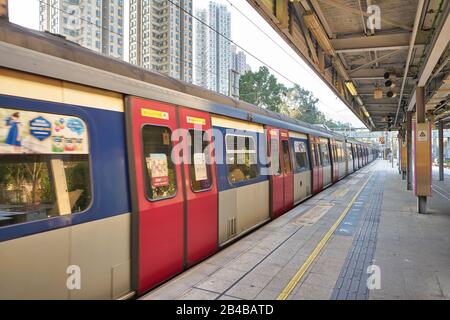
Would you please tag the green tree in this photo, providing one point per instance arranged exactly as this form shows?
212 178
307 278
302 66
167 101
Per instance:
261 88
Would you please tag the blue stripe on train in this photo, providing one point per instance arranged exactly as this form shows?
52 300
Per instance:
108 162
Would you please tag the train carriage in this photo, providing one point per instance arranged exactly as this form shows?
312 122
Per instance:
135 177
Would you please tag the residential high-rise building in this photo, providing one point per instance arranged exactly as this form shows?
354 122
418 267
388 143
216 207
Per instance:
238 60
94 24
213 49
201 50
161 36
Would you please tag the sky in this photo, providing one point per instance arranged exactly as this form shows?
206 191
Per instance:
266 45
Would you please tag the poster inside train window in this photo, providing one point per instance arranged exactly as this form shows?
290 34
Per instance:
33 132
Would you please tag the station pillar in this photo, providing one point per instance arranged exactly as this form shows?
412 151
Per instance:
402 152
409 150
441 150
422 153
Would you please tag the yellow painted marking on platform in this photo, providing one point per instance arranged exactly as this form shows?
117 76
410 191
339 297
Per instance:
301 272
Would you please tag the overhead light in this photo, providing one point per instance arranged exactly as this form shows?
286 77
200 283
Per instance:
358 99
377 93
316 29
366 113
351 88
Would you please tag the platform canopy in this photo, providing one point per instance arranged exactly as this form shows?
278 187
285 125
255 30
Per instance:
372 53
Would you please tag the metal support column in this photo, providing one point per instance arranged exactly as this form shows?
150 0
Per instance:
441 151
409 150
421 183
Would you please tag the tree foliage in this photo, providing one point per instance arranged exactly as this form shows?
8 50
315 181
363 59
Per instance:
262 88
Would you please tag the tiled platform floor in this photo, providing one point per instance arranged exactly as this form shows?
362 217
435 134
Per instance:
381 228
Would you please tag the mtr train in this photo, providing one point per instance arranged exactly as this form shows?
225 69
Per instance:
93 205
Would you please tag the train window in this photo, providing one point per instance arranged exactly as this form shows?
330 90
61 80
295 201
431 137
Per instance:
317 155
340 154
241 158
301 156
199 165
349 152
160 179
286 157
44 166
325 154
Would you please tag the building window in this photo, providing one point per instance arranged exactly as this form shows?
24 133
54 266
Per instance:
241 158
160 177
44 173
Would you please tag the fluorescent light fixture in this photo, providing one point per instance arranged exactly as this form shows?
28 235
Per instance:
358 99
351 88
366 113
316 29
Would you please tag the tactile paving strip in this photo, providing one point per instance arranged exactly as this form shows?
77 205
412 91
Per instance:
352 281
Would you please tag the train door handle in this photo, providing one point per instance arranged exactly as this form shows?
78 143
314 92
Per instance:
301 183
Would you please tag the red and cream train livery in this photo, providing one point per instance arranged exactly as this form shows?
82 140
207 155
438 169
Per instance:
96 198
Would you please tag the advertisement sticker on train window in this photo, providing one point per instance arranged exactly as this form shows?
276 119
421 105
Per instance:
158 169
150 113
200 167
24 131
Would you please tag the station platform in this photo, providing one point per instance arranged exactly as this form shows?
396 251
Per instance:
322 248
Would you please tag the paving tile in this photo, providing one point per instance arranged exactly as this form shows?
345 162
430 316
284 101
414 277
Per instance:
197 294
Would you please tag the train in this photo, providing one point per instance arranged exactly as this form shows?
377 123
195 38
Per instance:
114 178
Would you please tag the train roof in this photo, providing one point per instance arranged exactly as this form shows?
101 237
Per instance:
52 55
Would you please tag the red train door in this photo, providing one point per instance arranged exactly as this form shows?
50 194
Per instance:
276 177
334 161
200 187
288 175
282 177
156 185
317 169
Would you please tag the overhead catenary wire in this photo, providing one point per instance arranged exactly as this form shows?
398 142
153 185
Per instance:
268 36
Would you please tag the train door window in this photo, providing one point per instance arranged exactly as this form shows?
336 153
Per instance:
160 179
241 158
349 152
325 154
301 156
313 155
275 156
200 162
340 155
318 155
44 171
286 157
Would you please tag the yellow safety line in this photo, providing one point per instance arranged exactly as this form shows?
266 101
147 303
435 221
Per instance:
301 272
